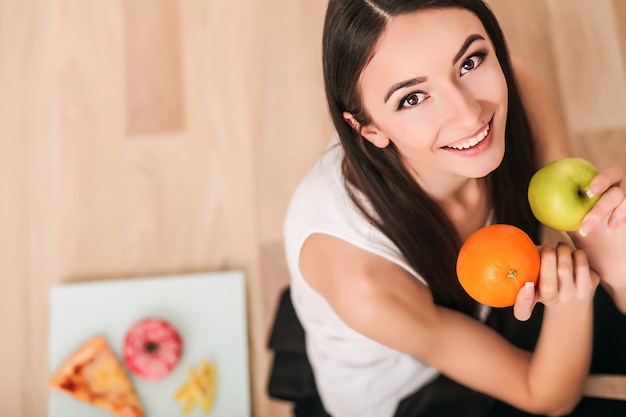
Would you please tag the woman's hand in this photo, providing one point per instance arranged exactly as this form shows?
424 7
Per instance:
564 276
603 233
610 210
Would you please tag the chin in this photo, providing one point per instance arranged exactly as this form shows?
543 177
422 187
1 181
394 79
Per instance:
488 163
495 155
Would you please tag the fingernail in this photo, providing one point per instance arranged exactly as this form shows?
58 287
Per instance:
613 222
594 190
529 290
586 227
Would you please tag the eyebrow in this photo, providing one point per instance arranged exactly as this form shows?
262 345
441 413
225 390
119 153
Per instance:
414 81
470 39
403 84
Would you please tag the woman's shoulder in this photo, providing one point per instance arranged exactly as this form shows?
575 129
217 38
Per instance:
322 204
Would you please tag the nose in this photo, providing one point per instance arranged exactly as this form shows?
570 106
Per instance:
461 106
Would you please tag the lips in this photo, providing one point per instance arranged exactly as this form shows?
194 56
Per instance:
471 142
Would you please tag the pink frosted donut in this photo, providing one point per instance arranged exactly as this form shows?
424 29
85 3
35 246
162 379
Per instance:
152 348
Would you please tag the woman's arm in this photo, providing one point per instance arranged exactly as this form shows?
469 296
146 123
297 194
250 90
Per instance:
605 240
382 301
605 243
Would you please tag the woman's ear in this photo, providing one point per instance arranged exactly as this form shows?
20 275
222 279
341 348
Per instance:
369 132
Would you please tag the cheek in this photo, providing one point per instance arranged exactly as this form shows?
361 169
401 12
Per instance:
492 86
500 87
413 139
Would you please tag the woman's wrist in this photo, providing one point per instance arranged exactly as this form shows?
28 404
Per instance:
563 352
580 307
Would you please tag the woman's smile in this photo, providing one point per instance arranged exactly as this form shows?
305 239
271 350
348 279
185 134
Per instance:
474 145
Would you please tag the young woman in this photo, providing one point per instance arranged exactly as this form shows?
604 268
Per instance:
434 142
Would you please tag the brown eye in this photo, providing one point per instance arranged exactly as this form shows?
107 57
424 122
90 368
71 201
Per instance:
469 65
413 99
472 62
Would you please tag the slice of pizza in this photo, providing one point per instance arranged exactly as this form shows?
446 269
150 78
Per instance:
92 373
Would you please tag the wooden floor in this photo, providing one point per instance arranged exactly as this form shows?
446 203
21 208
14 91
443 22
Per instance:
150 137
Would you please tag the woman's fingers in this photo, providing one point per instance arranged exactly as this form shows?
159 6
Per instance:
565 271
565 275
612 204
611 208
586 279
606 179
618 216
548 286
525 302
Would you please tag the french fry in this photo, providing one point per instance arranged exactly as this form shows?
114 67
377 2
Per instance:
182 394
199 388
187 407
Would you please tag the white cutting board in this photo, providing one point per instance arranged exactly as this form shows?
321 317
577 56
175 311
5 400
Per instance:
209 311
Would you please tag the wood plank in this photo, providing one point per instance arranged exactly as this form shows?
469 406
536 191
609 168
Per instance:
92 129
29 205
275 278
293 123
153 67
207 188
619 7
589 64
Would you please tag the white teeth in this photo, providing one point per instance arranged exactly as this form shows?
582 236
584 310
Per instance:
473 141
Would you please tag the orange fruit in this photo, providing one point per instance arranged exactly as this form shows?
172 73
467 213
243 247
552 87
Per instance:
495 262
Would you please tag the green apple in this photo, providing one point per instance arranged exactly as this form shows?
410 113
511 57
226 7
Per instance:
557 193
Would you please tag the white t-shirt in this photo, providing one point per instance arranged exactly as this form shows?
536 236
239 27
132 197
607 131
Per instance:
355 376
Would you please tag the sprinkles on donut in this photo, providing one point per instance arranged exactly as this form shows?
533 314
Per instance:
152 348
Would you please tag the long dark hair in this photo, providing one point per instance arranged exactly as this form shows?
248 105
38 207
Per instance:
401 209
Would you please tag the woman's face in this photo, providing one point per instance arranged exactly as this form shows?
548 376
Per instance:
434 87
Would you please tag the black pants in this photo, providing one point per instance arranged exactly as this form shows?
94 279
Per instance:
445 398
292 379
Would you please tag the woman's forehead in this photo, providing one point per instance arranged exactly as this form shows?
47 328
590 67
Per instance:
421 41
432 29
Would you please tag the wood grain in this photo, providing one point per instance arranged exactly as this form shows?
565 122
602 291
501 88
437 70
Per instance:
119 158
154 102
590 70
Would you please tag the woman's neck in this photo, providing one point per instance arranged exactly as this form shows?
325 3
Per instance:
467 205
